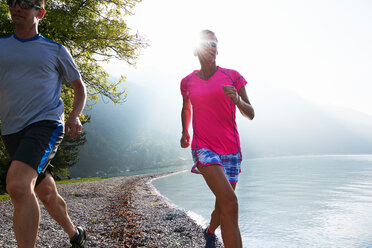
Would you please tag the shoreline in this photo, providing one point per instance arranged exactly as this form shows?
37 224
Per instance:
198 219
116 212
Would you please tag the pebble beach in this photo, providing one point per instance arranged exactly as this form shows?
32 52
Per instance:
116 212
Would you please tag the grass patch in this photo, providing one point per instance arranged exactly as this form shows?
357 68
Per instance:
4 197
81 180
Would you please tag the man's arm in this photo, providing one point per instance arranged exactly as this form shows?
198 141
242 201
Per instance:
73 124
186 119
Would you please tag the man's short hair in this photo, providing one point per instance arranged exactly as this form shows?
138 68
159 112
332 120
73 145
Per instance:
41 3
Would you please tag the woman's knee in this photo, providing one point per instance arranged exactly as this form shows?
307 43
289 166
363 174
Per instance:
216 213
230 206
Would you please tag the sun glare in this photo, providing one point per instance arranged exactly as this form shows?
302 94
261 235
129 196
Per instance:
290 50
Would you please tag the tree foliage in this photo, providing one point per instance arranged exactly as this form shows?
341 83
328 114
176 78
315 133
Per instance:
67 155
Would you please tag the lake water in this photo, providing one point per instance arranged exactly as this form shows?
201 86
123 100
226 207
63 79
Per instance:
306 201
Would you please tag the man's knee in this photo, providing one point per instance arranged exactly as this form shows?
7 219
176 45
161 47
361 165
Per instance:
19 189
20 180
46 193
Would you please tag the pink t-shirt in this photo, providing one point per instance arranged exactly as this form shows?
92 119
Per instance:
213 113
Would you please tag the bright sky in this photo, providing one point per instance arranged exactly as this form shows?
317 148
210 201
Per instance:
320 49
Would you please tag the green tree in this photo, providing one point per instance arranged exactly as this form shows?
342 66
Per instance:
94 32
67 156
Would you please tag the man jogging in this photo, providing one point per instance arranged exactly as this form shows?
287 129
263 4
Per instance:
31 110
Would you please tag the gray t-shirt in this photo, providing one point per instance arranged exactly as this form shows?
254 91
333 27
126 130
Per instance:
31 73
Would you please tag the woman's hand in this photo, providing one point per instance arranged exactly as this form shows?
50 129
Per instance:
231 93
185 140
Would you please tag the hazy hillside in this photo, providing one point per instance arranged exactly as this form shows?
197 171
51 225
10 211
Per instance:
144 132
287 124
128 137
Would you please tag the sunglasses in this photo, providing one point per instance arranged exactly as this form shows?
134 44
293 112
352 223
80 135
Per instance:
24 4
209 44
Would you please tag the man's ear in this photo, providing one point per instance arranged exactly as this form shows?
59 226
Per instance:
41 14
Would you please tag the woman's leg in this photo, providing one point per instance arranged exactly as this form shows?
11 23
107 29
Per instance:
227 202
215 216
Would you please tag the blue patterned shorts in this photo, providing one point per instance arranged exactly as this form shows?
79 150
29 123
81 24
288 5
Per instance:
230 163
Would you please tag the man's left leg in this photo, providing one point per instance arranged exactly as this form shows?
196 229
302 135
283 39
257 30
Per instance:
55 204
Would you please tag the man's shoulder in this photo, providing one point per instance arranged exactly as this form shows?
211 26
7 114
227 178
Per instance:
6 43
50 42
5 39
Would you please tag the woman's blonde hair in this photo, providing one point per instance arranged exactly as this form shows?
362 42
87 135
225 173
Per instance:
207 32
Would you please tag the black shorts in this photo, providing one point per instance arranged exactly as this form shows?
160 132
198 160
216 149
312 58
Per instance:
35 145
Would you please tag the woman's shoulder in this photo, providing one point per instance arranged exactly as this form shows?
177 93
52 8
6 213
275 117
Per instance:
233 74
188 77
228 71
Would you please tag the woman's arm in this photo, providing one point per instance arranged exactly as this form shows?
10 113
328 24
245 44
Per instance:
240 99
186 119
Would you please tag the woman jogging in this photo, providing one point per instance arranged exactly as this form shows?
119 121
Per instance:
214 93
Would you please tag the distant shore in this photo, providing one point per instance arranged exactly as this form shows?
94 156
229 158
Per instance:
117 212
